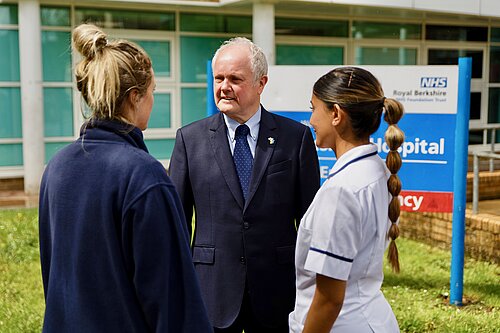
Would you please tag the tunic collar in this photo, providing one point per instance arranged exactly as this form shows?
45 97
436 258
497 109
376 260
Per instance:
351 155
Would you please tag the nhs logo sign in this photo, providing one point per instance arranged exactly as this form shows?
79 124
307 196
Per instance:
433 82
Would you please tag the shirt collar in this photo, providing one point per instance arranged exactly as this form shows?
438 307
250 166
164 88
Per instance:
252 123
351 155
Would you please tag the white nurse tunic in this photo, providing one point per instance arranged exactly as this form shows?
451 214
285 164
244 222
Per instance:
343 235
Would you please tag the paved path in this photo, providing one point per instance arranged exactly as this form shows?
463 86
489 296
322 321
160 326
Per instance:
487 208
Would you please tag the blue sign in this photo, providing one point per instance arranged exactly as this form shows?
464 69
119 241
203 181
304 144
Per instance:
426 152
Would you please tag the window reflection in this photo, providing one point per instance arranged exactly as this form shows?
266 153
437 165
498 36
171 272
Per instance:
450 57
495 64
458 33
385 56
126 19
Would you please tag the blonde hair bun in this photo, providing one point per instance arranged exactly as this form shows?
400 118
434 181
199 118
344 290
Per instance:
89 40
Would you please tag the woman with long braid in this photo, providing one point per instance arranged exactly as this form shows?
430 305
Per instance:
344 233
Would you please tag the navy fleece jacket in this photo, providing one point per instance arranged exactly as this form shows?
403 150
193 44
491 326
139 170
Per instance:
114 246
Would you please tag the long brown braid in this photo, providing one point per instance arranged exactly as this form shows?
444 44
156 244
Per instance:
394 138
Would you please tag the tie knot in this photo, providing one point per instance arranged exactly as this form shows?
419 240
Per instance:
242 130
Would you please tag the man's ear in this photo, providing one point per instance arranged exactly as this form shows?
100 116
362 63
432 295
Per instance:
262 83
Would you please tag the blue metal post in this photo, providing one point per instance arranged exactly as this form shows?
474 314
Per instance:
460 181
211 108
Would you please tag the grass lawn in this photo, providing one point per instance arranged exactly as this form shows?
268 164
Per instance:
419 295
21 291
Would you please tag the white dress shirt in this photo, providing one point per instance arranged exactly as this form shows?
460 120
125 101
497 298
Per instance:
253 124
343 235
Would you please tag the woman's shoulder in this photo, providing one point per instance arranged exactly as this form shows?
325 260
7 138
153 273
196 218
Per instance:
360 175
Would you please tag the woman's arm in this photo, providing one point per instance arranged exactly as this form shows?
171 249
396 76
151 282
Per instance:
326 304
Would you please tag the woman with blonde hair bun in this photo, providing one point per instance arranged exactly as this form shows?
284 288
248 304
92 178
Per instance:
343 235
114 245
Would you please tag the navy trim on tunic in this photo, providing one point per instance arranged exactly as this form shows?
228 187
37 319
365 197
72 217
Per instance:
331 254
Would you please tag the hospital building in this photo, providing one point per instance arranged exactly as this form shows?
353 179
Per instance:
41 109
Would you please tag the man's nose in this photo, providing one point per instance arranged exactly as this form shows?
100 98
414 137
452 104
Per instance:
225 85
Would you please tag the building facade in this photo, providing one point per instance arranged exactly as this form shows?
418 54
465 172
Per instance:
41 109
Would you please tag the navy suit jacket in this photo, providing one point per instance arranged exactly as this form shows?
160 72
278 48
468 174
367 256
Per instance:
252 242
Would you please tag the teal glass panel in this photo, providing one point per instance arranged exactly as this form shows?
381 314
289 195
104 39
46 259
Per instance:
160 116
160 149
216 23
239 24
400 31
8 14
11 123
309 55
385 56
126 19
194 104
51 148
58 111
9 56
56 56
195 52
55 16
301 27
160 56
495 34
494 63
11 154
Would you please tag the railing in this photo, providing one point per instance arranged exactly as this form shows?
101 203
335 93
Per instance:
484 151
475 182
485 128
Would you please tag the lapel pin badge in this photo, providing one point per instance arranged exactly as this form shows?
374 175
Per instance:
271 140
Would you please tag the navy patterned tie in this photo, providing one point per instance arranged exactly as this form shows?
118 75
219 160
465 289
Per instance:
243 158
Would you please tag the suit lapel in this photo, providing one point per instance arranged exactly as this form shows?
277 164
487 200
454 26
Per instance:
268 137
222 152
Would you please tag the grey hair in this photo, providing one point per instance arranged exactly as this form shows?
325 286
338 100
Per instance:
258 60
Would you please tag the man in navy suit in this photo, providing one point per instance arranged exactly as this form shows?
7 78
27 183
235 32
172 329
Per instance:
244 237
